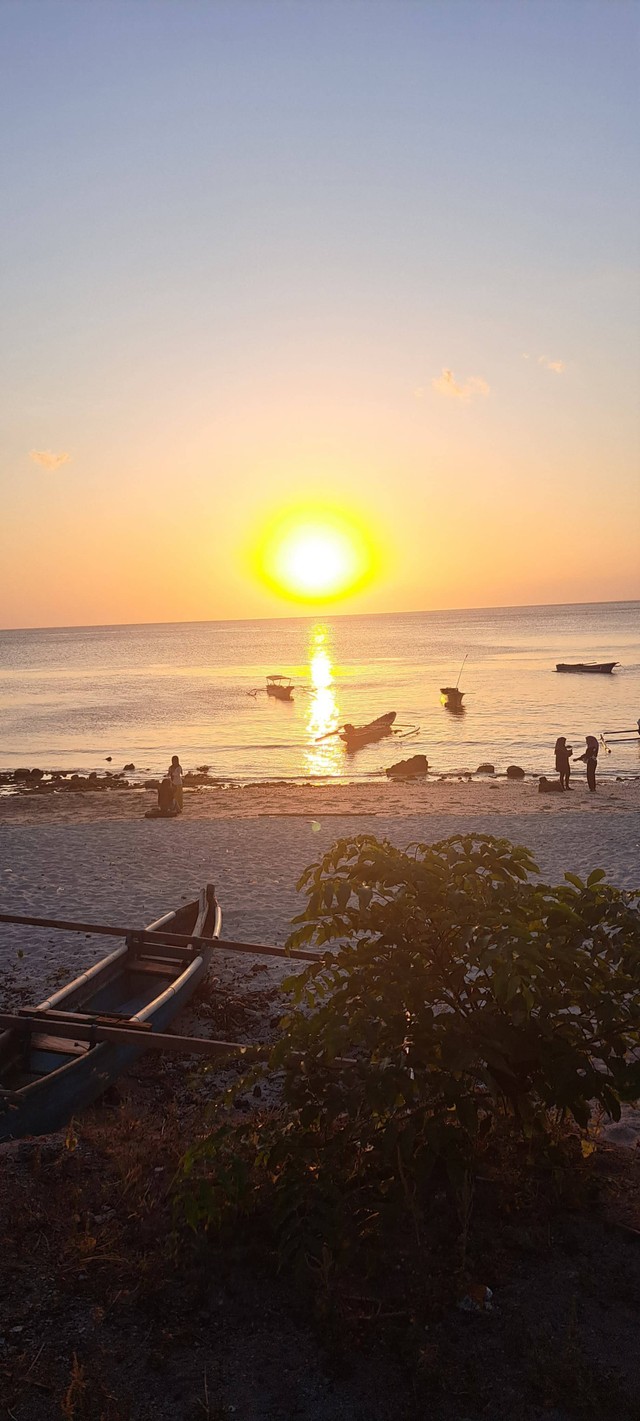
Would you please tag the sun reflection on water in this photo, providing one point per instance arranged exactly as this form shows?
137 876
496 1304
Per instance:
326 757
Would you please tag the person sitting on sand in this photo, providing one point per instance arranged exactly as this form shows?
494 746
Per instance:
590 758
563 755
165 796
175 775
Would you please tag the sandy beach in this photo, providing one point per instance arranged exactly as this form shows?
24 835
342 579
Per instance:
95 856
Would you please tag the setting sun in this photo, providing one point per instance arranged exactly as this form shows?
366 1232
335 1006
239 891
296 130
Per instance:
316 562
315 556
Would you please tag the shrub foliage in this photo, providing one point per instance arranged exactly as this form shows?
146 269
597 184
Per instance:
459 994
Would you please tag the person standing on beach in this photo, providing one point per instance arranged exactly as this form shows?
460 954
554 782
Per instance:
590 758
563 755
175 775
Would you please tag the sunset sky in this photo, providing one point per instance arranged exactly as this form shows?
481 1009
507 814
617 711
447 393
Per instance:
370 263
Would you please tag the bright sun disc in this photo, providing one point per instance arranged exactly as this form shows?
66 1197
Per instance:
315 558
316 563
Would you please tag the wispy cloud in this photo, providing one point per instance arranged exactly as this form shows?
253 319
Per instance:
558 366
48 460
447 385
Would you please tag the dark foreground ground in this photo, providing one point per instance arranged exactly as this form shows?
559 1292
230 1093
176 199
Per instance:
110 1310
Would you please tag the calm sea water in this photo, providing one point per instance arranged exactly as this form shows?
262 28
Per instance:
71 697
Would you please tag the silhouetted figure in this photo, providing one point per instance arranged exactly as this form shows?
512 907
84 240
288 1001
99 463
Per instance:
165 796
563 755
175 775
590 758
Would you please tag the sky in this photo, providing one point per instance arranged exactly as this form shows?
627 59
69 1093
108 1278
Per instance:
363 259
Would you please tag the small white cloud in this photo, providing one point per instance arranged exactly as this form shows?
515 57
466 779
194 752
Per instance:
447 385
48 460
556 365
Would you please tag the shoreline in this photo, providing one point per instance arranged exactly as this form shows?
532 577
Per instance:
491 794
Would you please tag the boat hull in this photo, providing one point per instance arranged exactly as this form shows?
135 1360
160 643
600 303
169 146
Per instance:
451 698
354 737
61 1084
602 668
281 693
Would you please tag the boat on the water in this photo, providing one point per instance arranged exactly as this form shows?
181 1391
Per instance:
281 687
46 1078
355 736
596 668
452 698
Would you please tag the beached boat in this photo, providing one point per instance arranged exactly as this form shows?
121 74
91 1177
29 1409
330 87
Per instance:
596 668
281 687
46 1078
354 736
452 698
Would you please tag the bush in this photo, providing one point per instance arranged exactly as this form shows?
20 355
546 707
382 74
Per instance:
461 995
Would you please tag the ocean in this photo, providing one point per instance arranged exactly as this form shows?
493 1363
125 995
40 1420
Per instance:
72 697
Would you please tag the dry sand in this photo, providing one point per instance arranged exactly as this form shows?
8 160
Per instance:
95 857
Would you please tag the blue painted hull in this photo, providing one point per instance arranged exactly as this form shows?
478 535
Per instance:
48 1086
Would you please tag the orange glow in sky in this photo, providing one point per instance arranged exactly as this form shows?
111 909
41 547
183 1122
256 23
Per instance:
317 311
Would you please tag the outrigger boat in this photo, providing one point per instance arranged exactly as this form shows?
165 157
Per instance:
625 735
596 668
451 696
46 1077
281 687
355 736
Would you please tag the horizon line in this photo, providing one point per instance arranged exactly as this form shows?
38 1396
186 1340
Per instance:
305 617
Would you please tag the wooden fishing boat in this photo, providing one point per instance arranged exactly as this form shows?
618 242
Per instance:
452 698
596 668
46 1078
355 736
281 687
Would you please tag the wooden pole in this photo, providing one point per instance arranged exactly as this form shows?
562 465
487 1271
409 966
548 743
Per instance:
461 669
126 1036
260 947
166 939
94 1033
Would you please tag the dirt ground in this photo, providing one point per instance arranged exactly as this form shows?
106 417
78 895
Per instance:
111 1311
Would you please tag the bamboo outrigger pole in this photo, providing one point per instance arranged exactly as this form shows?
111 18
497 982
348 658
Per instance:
161 938
93 1033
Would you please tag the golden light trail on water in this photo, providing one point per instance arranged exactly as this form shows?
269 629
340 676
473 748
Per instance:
326 757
